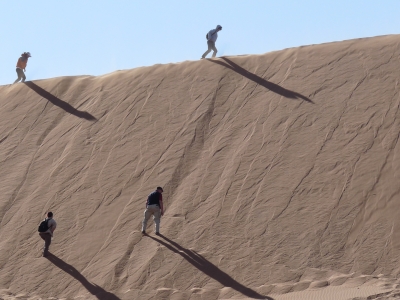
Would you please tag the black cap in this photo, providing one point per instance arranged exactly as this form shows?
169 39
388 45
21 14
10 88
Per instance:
160 188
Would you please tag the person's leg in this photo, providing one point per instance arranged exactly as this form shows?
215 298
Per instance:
214 49
147 215
47 241
41 234
19 75
157 219
209 49
23 76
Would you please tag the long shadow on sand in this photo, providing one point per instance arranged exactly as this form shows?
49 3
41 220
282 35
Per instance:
60 103
95 290
208 268
261 81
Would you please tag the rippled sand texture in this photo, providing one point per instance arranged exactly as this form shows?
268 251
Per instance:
281 176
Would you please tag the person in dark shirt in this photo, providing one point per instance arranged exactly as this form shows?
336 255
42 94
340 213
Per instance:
154 206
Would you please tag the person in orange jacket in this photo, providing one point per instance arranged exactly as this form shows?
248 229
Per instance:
21 66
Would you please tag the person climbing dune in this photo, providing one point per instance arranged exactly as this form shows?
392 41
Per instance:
155 207
21 66
46 230
212 36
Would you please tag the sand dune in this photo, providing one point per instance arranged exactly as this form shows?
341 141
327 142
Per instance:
280 171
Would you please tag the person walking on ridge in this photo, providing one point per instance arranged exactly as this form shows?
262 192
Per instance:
46 229
21 66
155 207
212 36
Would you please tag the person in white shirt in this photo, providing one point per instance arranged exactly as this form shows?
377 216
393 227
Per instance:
212 36
48 234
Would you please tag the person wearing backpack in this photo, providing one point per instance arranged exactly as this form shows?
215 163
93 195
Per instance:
46 229
21 66
155 207
211 37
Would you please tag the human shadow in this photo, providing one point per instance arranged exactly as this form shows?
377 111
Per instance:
261 81
208 268
60 103
94 289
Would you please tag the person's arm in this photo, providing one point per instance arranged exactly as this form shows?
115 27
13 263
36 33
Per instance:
53 226
161 205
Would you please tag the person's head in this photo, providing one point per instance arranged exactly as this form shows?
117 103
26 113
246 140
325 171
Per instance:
219 27
26 54
159 189
49 214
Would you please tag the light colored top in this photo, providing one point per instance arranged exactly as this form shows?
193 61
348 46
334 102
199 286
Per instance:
212 35
52 226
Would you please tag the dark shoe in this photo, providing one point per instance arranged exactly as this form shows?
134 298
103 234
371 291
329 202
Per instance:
157 233
143 232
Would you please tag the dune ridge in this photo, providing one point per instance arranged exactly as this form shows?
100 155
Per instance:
280 174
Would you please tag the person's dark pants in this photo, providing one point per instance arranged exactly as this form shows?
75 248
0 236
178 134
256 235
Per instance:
21 75
47 241
211 46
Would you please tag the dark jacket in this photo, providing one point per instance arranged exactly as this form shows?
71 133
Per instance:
154 198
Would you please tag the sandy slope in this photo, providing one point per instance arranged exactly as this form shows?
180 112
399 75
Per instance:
281 176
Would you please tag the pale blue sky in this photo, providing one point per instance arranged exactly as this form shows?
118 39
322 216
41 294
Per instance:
87 37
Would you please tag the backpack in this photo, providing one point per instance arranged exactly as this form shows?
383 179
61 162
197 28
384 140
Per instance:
44 226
